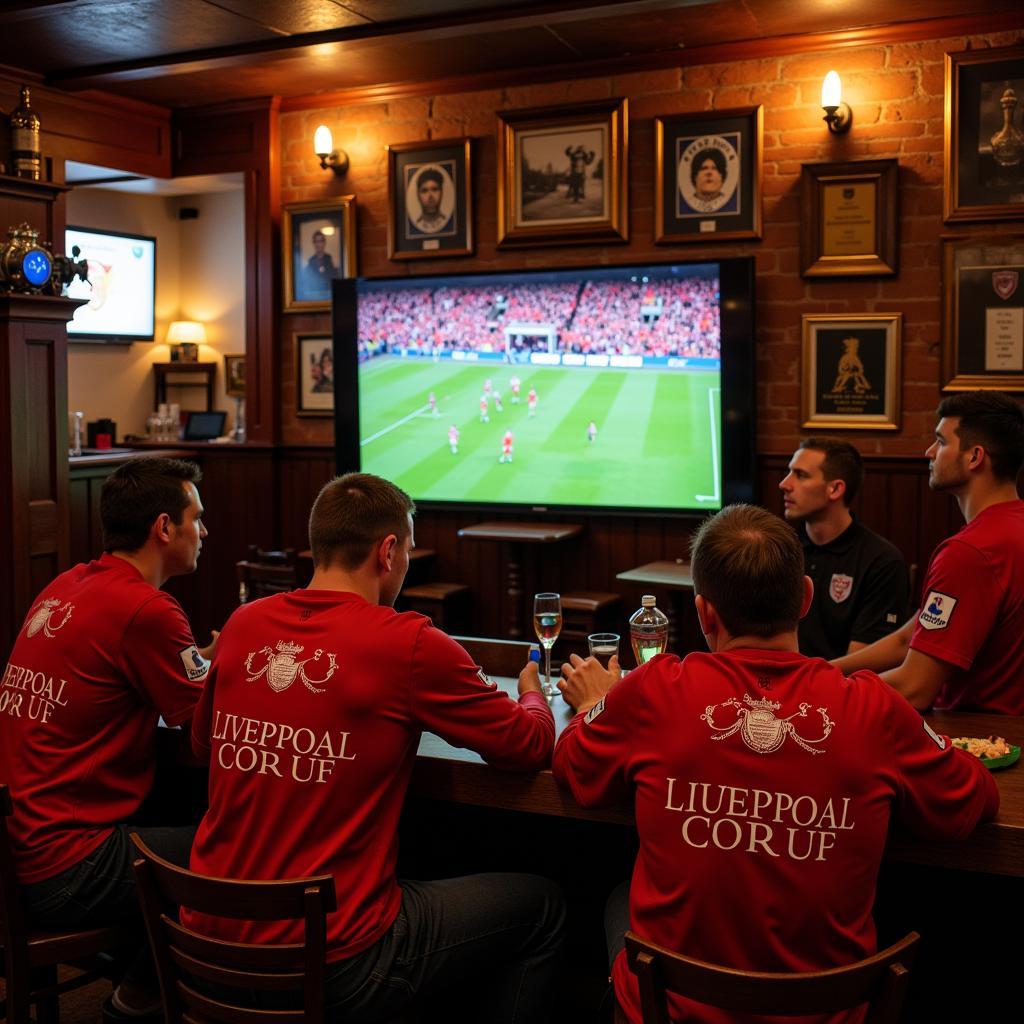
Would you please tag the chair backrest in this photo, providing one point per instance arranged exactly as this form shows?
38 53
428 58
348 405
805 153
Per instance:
286 556
182 954
260 579
880 981
13 927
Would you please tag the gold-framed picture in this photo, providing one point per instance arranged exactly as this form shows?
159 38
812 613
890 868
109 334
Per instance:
849 219
234 375
984 135
708 169
318 244
563 174
983 312
314 374
430 199
851 371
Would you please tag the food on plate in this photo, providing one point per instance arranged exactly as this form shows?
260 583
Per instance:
983 748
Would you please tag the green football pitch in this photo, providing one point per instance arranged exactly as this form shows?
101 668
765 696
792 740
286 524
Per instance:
656 446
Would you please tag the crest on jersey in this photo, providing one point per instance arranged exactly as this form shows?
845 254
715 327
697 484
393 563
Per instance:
48 616
937 610
840 587
282 668
759 727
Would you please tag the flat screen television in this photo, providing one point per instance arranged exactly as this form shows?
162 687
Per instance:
121 290
620 389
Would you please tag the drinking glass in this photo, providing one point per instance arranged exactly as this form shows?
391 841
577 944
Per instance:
547 624
603 646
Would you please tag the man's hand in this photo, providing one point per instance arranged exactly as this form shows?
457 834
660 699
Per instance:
586 682
529 679
207 651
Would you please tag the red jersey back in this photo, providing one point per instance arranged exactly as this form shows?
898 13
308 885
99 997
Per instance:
101 655
972 612
311 719
763 783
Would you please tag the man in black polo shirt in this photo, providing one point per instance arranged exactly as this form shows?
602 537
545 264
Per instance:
860 580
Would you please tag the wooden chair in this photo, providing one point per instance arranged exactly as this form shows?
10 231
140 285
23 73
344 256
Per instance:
586 612
447 605
265 572
880 981
179 952
30 957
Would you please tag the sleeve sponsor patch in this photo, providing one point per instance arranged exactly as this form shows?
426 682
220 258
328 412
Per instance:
486 679
937 610
940 741
195 665
594 711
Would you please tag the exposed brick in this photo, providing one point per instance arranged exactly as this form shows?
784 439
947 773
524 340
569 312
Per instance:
729 97
845 62
641 82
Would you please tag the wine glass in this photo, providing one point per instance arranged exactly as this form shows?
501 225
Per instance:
547 623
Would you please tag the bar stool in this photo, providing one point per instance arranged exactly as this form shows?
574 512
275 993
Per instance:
447 605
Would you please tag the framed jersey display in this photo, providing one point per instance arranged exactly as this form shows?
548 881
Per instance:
851 372
708 175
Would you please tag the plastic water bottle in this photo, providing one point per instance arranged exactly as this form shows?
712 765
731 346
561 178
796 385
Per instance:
648 630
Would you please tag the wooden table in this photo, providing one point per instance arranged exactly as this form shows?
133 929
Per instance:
514 536
674 575
449 773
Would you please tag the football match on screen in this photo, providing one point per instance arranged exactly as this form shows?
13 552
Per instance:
587 388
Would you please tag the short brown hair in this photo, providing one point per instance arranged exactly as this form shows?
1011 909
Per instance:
750 566
139 491
842 462
993 420
351 514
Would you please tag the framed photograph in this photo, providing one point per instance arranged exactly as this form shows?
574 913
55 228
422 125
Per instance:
234 376
562 174
708 174
430 199
983 313
984 164
314 375
185 352
851 372
849 219
319 243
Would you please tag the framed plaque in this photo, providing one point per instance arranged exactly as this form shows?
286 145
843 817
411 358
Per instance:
984 135
708 174
851 372
318 241
849 219
430 199
314 375
983 313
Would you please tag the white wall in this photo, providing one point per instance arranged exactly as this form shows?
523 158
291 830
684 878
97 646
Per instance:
199 276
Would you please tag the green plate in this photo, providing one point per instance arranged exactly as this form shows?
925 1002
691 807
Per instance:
995 763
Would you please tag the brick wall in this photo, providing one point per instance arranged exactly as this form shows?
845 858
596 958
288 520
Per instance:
896 92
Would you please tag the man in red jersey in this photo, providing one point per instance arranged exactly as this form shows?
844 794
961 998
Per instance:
103 653
964 649
311 719
763 780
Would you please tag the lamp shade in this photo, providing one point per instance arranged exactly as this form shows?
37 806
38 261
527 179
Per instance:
186 330
323 143
831 90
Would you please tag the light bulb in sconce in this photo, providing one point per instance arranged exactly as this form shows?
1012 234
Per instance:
323 146
838 115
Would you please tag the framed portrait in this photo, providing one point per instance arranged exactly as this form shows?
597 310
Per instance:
984 128
562 174
851 372
430 199
849 219
234 376
983 313
708 174
319 243
314 375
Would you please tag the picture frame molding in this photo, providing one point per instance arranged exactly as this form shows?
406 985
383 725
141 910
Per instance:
890 419
229 358
345 206
614 228
661 124
883 261
324 339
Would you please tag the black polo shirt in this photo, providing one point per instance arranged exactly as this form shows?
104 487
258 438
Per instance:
860 591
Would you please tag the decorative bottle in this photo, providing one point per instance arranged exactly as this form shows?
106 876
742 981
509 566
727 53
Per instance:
26 155
648 630
1008 142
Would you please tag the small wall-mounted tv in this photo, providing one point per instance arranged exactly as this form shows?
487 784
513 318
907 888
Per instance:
621 389
121 290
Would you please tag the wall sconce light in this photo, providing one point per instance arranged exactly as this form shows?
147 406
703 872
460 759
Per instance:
323 146
838 115
184 338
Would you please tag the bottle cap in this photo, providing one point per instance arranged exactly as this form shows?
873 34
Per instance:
534 652
647 601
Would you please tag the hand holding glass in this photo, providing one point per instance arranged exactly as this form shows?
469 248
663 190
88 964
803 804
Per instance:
547 623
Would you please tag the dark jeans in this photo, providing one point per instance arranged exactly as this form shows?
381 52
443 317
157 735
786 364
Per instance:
100 889
484 947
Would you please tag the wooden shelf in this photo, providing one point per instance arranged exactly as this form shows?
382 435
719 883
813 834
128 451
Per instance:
205 374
